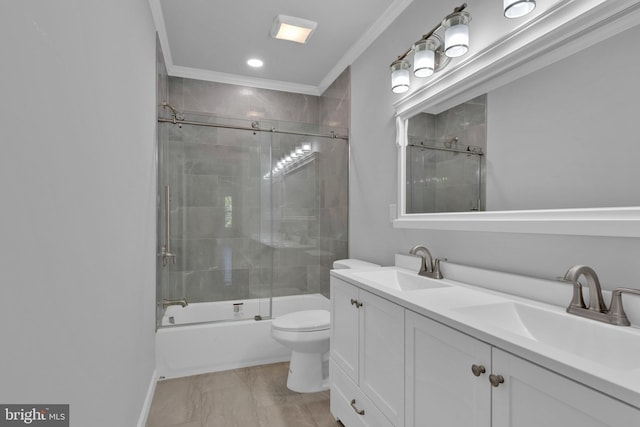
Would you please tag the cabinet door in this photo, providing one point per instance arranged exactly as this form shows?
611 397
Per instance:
345 327
382 355
532 396
441 388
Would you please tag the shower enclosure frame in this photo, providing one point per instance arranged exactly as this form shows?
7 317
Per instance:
166 254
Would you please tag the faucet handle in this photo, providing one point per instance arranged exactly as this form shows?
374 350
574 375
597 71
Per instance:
617 315
437 274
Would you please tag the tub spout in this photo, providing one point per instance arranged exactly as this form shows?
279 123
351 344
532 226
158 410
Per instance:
167 302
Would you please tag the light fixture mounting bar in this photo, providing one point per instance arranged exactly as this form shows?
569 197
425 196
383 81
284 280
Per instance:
458 9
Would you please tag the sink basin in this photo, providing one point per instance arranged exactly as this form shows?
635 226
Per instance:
615 346
399 280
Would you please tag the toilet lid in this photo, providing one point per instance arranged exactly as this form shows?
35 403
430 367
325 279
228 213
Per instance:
303 321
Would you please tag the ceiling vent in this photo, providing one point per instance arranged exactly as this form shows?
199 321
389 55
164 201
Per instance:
293 29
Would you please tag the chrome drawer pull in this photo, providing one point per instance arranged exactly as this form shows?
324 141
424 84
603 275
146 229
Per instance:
358 411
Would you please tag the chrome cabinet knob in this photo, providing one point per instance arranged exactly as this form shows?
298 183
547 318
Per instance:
478 370
496 380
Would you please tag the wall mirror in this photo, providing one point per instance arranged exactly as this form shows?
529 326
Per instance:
561 148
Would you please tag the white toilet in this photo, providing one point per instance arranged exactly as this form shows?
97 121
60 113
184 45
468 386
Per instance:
306 333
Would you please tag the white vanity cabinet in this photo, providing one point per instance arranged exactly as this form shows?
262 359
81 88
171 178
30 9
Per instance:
532 396
446 386
367 358
441 387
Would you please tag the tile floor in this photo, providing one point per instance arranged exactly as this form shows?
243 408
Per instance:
247 397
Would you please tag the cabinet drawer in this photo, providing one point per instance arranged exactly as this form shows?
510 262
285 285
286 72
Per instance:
343 393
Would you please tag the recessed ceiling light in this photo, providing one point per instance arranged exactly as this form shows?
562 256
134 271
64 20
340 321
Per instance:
255 63
293 29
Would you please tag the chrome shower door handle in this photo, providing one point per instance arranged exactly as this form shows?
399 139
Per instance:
165 251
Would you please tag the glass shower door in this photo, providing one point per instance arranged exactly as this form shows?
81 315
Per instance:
215 179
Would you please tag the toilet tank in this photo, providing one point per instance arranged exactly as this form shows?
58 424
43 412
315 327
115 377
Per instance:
352 263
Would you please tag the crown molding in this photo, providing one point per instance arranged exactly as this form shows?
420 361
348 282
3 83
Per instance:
363 43
378 27
158 19
236 79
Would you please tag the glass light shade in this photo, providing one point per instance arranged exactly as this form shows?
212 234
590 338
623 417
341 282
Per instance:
456 35
518 8
424 61
400 77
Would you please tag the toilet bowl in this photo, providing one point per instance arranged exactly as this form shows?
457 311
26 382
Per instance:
306 334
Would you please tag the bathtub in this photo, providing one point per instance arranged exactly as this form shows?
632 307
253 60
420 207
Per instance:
191 342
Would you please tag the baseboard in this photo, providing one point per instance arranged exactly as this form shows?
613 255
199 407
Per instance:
144 414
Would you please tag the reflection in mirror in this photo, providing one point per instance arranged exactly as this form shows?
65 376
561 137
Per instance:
562 137
562 124
445 159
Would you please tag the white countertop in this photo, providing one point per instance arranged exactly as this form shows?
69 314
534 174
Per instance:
443 305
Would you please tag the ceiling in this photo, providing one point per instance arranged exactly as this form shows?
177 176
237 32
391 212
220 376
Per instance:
212 40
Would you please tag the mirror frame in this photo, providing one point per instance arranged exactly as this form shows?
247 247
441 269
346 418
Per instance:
562 30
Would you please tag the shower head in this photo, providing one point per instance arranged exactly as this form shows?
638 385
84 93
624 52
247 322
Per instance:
177 115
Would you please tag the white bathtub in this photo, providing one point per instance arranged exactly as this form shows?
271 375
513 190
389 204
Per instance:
209 347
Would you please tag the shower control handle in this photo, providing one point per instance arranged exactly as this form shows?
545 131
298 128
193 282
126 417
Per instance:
355 302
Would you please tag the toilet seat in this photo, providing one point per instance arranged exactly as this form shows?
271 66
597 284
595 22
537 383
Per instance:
303 321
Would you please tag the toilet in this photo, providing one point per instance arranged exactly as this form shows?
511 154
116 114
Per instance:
306 334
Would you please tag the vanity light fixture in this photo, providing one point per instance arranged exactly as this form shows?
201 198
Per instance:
456 35
293 29
431 54
400 76
518 8
433 51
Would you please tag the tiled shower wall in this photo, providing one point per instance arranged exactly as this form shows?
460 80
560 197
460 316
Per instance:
218 261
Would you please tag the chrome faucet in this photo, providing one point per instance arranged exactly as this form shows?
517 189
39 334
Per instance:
167 302
429 267
597 309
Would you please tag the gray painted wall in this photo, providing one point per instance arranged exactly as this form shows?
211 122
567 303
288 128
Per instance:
373 184
77 263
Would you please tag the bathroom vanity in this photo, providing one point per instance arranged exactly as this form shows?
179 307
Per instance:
412 351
